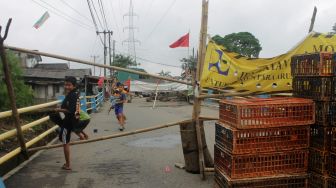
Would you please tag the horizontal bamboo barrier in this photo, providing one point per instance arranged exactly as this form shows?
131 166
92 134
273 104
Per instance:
13 132
205 118
114 135
29 108
94 64
28 144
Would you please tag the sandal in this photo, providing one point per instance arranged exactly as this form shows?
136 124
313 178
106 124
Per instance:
64 167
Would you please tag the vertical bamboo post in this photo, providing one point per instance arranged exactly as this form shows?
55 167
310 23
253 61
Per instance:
10 90
312 22
197 102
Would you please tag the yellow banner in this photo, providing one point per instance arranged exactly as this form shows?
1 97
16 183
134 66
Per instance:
233 72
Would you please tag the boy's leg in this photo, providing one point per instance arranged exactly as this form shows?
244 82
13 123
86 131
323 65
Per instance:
64 137
85 135
66 149
121 121
80 135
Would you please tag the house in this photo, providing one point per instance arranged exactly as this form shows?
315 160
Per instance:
47 80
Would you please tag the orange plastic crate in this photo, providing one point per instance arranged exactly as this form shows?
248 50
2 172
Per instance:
261 165
284 181
264 113
248 141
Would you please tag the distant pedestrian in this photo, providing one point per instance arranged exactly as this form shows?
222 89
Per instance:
119 108
124 91
70 108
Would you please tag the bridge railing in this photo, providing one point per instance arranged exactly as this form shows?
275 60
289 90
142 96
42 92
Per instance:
88 103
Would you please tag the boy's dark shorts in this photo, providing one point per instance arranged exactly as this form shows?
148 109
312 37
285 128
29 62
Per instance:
64 135
118 110
81 126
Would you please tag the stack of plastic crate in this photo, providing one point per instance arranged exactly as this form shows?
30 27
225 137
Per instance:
263 142
314 78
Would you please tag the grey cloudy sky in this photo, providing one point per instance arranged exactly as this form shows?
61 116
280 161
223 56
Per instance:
278 24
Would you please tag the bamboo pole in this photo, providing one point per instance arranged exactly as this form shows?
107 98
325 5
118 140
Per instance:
94 64
15 152
205 118
13 132
113 136
29 108
198 89
10 90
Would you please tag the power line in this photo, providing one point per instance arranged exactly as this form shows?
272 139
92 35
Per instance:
79 13
150 61
94 22
115 18
70 17
62 16
95 10
161 19
101 6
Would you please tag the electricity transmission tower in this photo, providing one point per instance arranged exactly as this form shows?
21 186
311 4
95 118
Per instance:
131 41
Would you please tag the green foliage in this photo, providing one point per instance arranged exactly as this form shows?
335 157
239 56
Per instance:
188 65
23 93
124 61
243 43
165 73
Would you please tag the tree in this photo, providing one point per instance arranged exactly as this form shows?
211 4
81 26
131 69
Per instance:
188 66
124 61
23 93
165 73
334 28
243 43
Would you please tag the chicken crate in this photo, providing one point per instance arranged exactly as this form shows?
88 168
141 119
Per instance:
325 113
318 161
331 182
262 164
292 181
320 137
316 88
332 165
317 180
265 113
249 141
333 140
315 64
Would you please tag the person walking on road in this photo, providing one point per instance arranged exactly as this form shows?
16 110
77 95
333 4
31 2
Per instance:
119 108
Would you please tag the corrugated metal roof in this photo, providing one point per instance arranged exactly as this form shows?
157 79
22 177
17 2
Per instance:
58 66
55 73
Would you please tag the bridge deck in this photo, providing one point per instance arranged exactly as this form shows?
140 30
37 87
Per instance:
133 161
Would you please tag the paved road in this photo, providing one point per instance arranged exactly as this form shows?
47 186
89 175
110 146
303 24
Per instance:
141 161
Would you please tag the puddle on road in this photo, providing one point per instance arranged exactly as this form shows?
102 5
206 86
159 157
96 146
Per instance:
167 142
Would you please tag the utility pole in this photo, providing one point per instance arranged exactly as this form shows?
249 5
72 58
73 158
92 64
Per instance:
105 52
94 60
110 55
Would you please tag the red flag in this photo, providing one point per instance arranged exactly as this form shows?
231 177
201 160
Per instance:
101 81
181 42
128 84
